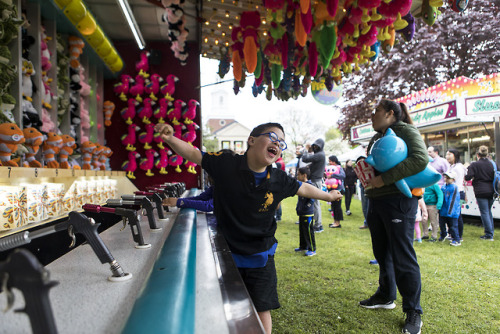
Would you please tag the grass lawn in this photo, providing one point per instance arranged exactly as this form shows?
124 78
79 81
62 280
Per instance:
320 294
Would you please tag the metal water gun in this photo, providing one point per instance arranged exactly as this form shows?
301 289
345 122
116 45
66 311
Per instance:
23 271
136 200
129 216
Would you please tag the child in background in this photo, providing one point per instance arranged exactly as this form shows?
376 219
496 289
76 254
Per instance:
305 211
421 214
448 215
433 198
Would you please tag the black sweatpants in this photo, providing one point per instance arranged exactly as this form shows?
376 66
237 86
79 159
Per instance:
392 223
306 233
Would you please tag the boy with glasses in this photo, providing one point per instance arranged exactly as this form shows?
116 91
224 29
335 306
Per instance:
246 193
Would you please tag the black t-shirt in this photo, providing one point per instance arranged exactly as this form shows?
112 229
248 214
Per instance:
244 211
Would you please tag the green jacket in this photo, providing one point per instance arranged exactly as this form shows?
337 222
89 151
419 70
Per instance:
415 162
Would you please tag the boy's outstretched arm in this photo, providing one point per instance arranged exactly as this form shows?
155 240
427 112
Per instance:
309 191
180 147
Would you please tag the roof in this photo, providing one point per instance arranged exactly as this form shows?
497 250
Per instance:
216 124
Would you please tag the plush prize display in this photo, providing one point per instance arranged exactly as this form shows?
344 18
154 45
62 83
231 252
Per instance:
108 109
160 113
51 147
147 163
389 151
129 112
175 114
33 140
68 146
152 86
146 111
130 165
10 137
189 113
87 149
129 139
96 153
161 162
146 138
121 88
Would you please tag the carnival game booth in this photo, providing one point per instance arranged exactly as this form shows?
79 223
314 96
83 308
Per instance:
461 113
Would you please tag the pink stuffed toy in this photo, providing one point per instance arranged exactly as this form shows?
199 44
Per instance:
45 52
148 163
162 161
152 86
189 114
161 112
48 125
146 111
129 139
175 160
130 165
122 88
137 89
330 182
147 137
190 135
128 113
85 90
84 115
175 114
168 89
142 66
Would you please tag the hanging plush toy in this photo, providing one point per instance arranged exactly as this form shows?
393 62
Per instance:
108 109
161 162
10 136
168 89
250 22
76 46
161 112
147 137
189 114
152 86
190 135
130 165
458 6
175 114
96 164
129 112
130 138
146 111
34 139
122 88
45 52
175 160
137 89
148 163
142 66
87 149
28 71
68 146
51 147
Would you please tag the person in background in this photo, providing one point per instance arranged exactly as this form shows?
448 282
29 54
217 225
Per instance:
364 199
453 158
421 214
337 205
482 173
350 185
316 157
247 190
433 198
305 211
448 215
439 164
391 218
281 165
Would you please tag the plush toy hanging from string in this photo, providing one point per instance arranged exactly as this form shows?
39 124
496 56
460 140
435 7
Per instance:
108 109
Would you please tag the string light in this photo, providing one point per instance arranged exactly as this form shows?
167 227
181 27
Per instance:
227 13
230 26
206 39
216 41
219 24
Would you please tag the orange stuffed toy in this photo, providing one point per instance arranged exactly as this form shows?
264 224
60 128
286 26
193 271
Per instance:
68 145
34 139
88 148
10 137
51 147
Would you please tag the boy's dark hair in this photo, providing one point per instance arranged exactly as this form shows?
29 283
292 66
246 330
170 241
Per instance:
263 127
227 150
305 170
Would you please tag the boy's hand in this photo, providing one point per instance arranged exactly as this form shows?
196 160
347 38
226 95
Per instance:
335 195
170 201
165 130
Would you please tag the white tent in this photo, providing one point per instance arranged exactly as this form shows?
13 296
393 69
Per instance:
352 154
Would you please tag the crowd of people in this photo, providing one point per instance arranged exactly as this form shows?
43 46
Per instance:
257 179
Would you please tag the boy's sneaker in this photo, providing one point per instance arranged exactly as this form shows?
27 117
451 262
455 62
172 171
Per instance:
299 249
455 243
419 240
413 322
425 237
309 253
442 239
377 302
486 238
348 212
319 230
373 262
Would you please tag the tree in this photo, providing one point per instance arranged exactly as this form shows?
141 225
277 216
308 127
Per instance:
456 45
299 127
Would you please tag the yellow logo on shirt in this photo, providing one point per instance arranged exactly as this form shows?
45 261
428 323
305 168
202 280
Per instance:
216 154
268 202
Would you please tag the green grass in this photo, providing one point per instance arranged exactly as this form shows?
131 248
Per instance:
320 294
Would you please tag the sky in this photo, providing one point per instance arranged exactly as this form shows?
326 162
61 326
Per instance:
249 110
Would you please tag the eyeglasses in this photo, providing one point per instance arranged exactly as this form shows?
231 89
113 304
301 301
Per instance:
274 138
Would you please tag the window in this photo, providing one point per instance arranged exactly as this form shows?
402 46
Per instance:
238 145
226 144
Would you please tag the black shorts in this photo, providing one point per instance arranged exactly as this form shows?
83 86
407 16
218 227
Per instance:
262 285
